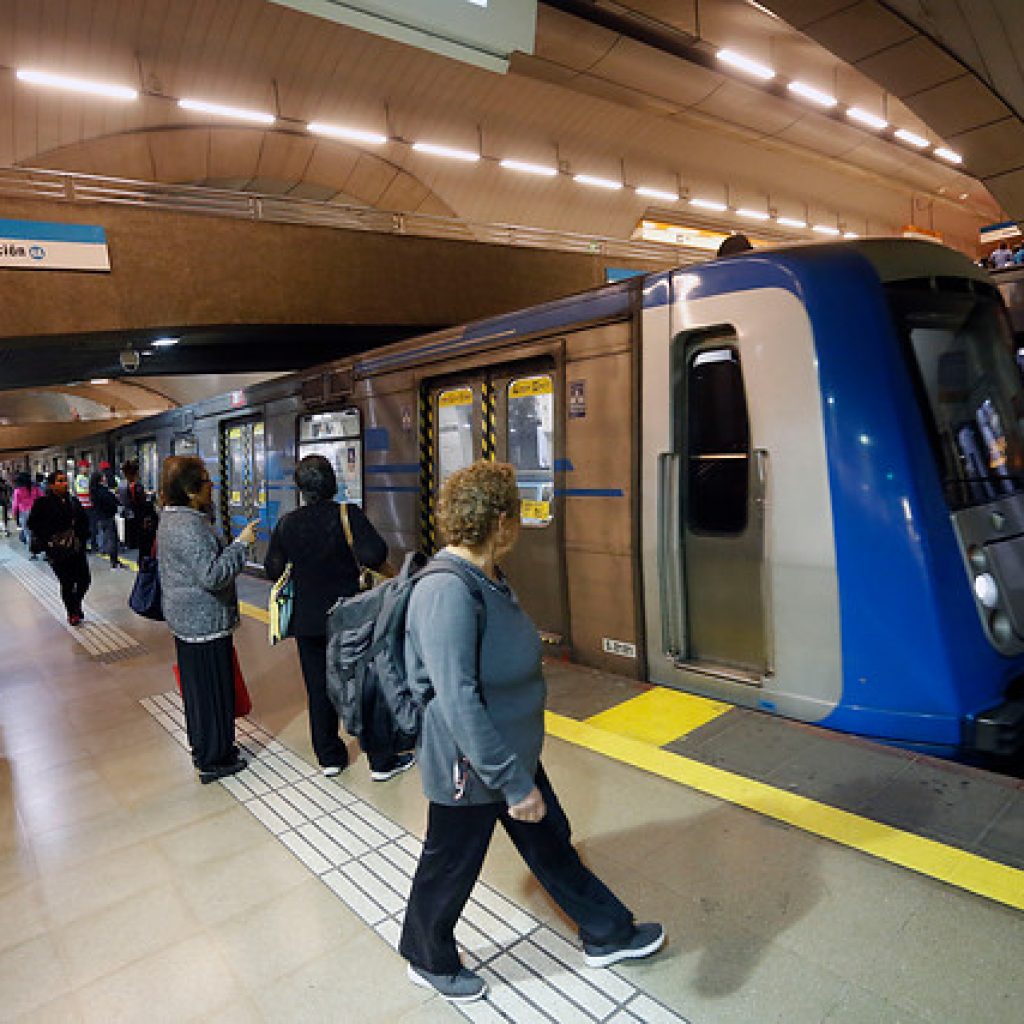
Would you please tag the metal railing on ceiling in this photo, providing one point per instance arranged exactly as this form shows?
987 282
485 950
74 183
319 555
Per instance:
67 187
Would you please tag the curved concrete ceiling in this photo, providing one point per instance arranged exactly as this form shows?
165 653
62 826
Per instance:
958 65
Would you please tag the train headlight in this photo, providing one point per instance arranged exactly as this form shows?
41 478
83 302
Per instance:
1001 629
985 590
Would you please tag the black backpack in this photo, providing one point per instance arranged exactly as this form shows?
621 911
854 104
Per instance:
366 672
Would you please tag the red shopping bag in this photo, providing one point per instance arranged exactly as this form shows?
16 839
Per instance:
243 702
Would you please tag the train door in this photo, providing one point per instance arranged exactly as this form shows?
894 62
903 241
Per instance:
243 478
713 519
508 414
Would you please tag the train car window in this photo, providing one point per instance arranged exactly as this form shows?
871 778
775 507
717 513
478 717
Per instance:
337 436
531 425
149 466
455 448
963 360
718 443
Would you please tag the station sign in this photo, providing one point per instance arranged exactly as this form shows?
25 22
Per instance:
49 245
481 32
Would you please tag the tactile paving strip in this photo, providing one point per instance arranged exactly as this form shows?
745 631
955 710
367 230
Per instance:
101 638
535 975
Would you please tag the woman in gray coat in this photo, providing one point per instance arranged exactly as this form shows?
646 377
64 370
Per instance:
197 580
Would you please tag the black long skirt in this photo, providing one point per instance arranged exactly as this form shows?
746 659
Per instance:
208 692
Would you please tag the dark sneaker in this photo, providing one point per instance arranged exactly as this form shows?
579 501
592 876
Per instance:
462 987
646 939
221 771
400 764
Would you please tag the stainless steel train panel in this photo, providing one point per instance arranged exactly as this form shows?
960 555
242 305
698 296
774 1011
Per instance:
800 673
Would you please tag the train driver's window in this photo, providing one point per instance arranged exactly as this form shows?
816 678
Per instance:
455 446
531 425
718 443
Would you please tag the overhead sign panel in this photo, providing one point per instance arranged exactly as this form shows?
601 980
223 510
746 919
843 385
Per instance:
481 32
47 245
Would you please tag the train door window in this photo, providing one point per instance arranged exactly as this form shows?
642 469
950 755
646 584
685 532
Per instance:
530 443
455 445
718 443
338 437
149 466
259 465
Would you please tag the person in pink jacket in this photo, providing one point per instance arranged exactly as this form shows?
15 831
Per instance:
25 496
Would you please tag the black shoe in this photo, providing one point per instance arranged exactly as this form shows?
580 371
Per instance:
221 771
400 764
645 940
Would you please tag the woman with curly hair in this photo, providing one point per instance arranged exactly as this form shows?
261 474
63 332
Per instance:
480 746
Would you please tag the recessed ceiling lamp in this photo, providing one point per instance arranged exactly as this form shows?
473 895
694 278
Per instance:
911 139
808 92
337 131
433 149
752 214
82 85
589 179
655 193
792 222
741 63
825 229
709 204
165 342
867 119
948 154
221 110
541 170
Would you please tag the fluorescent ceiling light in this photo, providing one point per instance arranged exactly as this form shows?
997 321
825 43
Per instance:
741 63
792 222
709 204
165 342
948 154
589 179
528 168
241 113
863 117
454 154
825 229
100 380
850 234
113 92
808 92
654 193
752 214
337 131
910 138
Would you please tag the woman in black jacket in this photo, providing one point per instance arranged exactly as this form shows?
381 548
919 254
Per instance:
312 539
59 528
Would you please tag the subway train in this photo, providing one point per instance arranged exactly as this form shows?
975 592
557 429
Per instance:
791 480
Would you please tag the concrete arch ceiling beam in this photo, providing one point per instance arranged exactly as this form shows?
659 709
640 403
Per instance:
598 102
958 65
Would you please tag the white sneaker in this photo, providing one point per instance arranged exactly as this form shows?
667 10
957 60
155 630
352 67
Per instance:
332 770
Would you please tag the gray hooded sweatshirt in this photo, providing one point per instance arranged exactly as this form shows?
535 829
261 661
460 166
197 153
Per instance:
483 730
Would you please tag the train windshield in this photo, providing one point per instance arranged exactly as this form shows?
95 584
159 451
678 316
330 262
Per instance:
963 350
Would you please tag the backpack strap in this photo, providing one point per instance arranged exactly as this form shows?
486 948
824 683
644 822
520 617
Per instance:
472 584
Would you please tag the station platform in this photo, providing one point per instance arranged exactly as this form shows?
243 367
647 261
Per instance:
801 876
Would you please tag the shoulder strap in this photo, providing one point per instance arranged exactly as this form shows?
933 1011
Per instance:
347 528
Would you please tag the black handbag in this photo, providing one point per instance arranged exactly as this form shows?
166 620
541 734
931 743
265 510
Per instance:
145 598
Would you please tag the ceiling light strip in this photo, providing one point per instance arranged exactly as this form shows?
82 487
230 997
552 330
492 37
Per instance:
524 167
337 131
222 110
80 85
912 139
433 149
741 63
817 96
655 193
590 179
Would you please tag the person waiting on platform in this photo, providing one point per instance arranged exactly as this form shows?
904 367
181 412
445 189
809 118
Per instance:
104 507
324 568
5 504
140 518
197 580
80 487
480 746
26 494
59 529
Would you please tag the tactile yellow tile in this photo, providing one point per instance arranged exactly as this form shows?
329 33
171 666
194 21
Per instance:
658 716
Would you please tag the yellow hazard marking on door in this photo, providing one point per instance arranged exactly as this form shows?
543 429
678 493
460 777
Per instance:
534 511
235 433
927 857
236 497
457 396
526 386
659 716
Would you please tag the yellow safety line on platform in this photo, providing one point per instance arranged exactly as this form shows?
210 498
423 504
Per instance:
658 716
928 857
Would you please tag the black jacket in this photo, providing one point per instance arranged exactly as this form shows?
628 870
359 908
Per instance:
52 514
323 569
